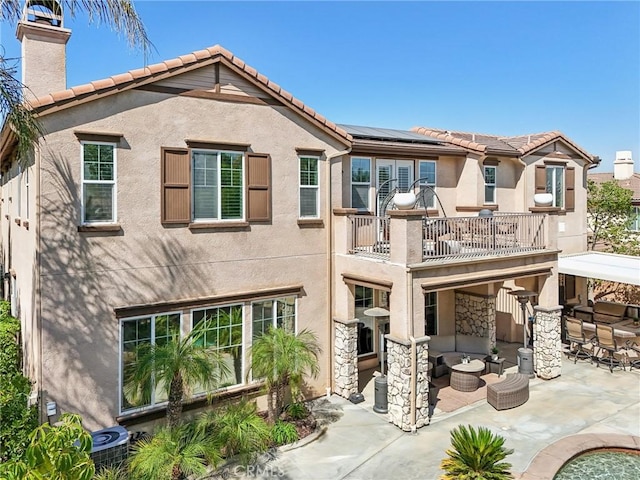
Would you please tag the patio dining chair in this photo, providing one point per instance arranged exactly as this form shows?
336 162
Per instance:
634 362
608 346
580 345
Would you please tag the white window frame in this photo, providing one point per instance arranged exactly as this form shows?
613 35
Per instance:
429 184
554 192
153 403
19 194
315 187
218 190
114 182
370 322
494 185
367 184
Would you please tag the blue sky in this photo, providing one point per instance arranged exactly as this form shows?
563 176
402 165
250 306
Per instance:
505 68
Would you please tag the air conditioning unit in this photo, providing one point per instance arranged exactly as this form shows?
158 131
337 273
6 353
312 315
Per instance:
110 446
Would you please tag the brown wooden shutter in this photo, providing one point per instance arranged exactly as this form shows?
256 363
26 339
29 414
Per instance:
176 186
541 179
258 187
569 188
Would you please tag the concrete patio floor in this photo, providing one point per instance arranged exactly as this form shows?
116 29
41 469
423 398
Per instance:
363 445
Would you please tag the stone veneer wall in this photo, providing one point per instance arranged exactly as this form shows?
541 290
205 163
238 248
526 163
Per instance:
476 315
399 382
547 344
346 357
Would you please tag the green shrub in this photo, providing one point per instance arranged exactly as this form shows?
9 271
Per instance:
476 454
283 433
18 419
239 428
297 411
9 346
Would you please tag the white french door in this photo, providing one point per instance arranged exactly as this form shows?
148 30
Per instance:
399 170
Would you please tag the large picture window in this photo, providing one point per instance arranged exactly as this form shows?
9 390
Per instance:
98 182
555 185
278 313
218 185
360 182
134 332
427 176
309 201
223 331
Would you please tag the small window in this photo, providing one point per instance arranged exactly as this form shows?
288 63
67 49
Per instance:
366 324
218 185
634 225
360 182
431 313
555 184
98 183
489 184
26 194
309 191
427 182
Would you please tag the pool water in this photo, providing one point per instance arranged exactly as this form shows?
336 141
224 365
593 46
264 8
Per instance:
602 465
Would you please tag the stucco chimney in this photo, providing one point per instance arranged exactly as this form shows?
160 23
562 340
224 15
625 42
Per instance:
623 166
44 40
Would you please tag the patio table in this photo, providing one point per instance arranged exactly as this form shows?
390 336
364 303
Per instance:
465 377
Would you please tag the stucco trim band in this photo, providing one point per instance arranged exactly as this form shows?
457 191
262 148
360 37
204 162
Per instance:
492 278
375 283
135 310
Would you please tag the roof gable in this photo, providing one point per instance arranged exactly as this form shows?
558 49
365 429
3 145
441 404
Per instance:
215 71
519 145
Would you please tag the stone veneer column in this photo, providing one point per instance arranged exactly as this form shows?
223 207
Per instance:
547 345
399 382
476 315
346 357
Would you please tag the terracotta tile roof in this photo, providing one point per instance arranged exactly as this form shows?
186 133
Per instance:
515 145
632 183
175 66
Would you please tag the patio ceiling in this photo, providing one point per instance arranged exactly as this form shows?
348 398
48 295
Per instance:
603 266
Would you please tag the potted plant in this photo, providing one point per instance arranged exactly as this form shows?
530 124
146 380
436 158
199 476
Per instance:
494 353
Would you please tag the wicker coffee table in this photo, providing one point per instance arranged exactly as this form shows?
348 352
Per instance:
465 377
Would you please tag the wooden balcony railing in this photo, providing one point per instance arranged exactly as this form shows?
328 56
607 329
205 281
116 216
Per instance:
456 237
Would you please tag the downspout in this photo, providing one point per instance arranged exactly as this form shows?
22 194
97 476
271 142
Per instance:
329 281
38 310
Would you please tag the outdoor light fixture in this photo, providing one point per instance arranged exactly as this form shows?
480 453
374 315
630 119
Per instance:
523 297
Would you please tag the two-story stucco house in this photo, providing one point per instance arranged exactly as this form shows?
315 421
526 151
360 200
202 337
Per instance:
197 188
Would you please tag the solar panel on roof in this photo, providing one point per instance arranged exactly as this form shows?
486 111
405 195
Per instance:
387 134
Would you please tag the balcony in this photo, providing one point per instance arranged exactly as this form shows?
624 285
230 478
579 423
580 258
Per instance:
445 239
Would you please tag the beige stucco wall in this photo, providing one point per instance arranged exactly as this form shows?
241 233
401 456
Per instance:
19 227
86 275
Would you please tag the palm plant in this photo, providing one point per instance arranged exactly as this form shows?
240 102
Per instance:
476 455
119 14
174 454
177 366
282 359
239 428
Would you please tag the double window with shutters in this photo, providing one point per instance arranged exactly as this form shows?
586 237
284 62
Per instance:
558 180
209 185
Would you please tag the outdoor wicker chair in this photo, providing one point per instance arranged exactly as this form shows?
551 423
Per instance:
578 340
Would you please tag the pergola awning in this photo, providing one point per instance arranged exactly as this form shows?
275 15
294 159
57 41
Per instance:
603 266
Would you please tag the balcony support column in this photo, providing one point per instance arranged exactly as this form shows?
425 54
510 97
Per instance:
406 236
